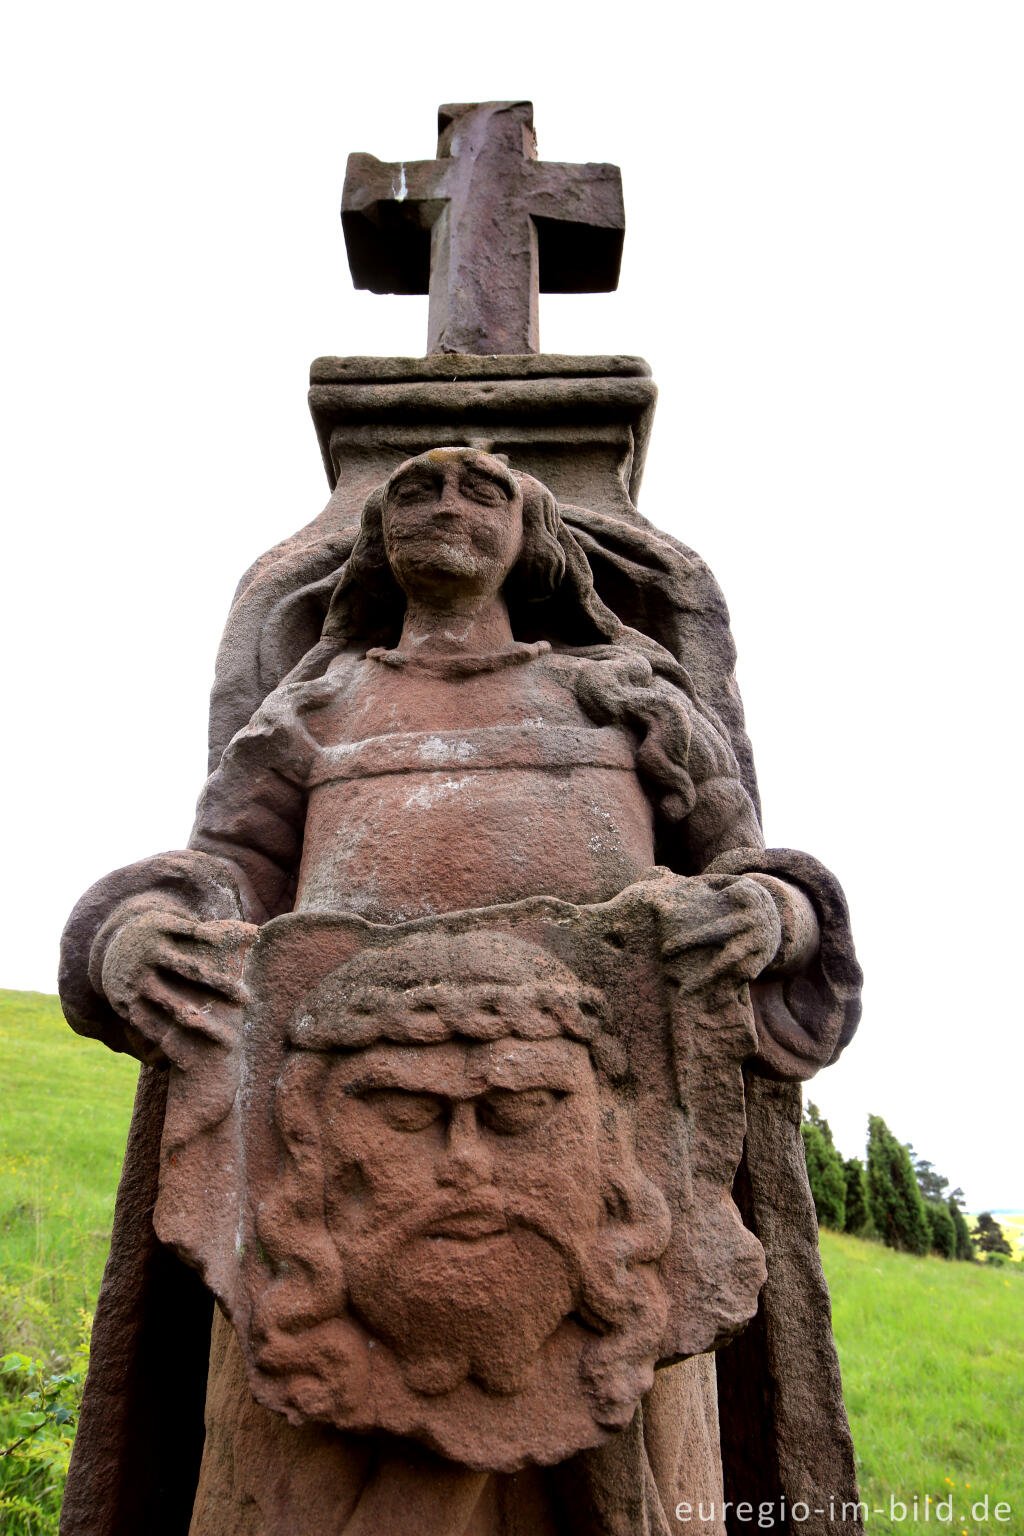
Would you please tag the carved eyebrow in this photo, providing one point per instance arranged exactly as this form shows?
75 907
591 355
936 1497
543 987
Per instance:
554 1077
419 476
426 1076
378 1075
473 477
373 1084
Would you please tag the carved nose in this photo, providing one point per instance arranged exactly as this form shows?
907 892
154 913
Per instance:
448 502
467 1160
449 499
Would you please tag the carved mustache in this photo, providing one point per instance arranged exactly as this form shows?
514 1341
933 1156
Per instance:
474 1214
443 523
596 1264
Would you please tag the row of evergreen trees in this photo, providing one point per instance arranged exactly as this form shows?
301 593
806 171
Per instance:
897 1196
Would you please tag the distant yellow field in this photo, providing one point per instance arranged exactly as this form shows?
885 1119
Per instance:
1012 1223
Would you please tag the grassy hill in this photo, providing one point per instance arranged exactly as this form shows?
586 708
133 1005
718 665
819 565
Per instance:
932 1353
933 1360
65 1104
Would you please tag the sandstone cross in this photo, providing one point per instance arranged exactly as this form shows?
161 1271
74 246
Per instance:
483 228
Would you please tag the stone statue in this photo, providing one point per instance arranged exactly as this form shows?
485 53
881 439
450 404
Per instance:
456 1014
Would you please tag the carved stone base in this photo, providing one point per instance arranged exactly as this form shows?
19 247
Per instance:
579 424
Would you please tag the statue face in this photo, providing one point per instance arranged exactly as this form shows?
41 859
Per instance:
462 1187
453 523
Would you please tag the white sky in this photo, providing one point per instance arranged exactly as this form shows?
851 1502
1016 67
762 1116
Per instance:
823 264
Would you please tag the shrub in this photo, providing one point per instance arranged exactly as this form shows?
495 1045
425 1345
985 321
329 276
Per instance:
39 1402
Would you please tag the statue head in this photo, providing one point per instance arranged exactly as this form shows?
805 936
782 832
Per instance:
448 520
479 1209
460 1191
452 523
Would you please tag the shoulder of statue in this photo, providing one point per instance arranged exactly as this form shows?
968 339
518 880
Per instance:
278 735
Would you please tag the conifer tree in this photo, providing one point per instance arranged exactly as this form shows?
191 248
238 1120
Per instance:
857 1213
894 1199
964 1246
825 1172
989 1236
943 1232
929 1180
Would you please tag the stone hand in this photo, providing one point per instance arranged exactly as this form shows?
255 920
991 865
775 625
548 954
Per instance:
801 936
722 931
177 982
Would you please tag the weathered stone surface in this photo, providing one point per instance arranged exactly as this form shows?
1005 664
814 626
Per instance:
580 425
782 1373
341 1052
483 228
139 1444
450 368
496 1194
475 1011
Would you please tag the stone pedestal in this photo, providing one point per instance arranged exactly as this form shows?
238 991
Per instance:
579 424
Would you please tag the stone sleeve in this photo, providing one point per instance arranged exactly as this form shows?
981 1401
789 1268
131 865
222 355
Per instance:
251 818
190 883
252 811
804 1020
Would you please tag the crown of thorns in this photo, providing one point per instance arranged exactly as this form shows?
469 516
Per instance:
385 996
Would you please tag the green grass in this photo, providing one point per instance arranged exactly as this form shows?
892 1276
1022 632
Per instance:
932 1353
933 1360
65 1104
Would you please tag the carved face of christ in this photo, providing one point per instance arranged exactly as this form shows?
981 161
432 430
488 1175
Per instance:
452 523
461 1185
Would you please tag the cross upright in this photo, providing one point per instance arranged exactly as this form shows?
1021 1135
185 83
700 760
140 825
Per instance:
483 228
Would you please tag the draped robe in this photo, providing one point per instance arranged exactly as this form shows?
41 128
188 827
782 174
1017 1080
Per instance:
783 1428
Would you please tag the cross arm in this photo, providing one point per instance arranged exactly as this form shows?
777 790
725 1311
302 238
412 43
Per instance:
387 211
581 222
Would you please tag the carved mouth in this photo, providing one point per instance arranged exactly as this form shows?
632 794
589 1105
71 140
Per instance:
468 1226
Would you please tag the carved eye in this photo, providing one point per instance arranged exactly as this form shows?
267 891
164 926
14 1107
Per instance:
405 1111
411 490
510 1114
487 492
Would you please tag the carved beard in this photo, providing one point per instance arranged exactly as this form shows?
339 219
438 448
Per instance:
456 1308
